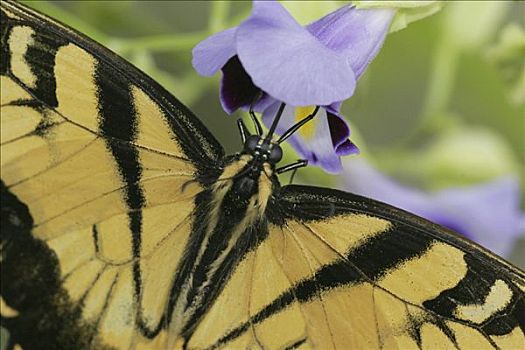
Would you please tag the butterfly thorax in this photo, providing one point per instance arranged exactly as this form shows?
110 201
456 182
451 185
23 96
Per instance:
247 181
250 175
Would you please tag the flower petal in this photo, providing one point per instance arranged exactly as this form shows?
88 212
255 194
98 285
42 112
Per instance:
288 62
356 33
334 107
362 178
211 54
346 148
263 102
312 141
339 130
488 213
237 89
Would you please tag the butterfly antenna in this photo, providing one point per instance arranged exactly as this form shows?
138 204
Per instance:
268 137
243 130
256 123
297 126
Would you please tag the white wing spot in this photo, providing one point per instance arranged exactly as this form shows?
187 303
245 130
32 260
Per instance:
20 40
497 299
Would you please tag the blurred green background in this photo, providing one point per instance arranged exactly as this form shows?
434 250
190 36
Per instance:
442 105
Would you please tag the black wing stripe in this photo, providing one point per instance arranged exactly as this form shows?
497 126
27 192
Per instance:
118 118
307 203
395 247
197 142
5 28
330 276
40 57
476 285
249 241
23 255
362 264
296 345
41 105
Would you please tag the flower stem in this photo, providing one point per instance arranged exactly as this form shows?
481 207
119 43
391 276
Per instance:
442 78
218 15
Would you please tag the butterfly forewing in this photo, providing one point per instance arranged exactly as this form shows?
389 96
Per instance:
102 155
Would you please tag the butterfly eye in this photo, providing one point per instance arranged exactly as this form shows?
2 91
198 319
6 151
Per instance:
251 143
276 154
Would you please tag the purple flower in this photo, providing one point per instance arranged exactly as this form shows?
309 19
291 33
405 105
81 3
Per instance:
487 213
316 65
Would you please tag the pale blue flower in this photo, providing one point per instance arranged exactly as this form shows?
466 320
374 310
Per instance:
487 213
316 65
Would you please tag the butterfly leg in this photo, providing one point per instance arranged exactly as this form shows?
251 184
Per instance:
301 163
292 176
297 125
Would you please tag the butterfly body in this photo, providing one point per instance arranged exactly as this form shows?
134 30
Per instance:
231 216
125 226
233 220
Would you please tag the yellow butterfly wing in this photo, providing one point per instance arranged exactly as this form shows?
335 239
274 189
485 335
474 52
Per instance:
342 271
102 155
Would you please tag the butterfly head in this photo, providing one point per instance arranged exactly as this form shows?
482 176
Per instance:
263 151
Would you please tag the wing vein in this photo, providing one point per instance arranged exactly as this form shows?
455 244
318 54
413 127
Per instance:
318 292
108 137
111 192
351 265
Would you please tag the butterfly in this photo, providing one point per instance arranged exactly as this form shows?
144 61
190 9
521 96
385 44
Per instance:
124 225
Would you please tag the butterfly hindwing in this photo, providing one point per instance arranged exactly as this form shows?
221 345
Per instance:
341 271
419 284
